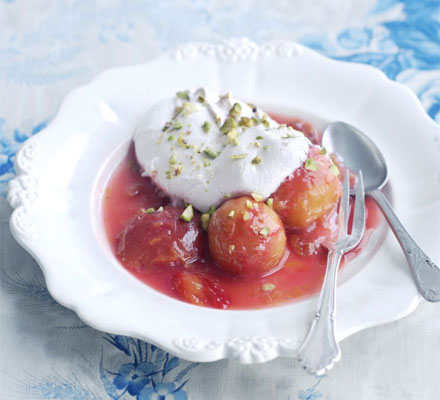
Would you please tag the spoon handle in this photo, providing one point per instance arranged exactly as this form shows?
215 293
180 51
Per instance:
425 273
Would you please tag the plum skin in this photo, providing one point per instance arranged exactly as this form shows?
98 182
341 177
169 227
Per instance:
161 238
308 195
246 237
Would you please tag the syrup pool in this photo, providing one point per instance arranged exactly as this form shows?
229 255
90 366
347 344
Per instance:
299 275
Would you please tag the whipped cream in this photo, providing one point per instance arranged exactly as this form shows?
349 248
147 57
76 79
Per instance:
203 147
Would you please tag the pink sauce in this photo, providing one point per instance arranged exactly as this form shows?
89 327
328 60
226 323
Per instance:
300 275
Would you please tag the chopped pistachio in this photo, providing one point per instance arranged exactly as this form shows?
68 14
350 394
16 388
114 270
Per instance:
255 121
189 108
269 202
178 169
168 174
257 144
206 126
211 210
184 95
259 138
173 159
150 210
187 214
206 163
256 160
170 138
238 156
227 195
288 136
166 126
181 141
210 153
177 111
231 213
177 125
264 231
334 170
249 204
246 121
232 137
235 111
246 216
311 165
265 123
265 147
257 197
228 125
267 287
323 151
160 209
201 99
231 248
205 220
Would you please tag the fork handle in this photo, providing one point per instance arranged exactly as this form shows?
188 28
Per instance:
425 273
320 349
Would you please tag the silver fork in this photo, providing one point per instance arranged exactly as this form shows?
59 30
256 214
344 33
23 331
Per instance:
320 349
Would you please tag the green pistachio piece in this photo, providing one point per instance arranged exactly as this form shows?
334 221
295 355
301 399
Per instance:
323 151
246 216
246 122
177 125
166 126
249 204
201 99
187 214
267 287
231 248
265 123
311 165
184 95
238 156
231 213
264 231
173 159
334 170
210 153
211 210
206 126
256 160
170 138
235 111
232 137
178 169
150 210
259 138
205 220
188 108
257 197
269 202
228 125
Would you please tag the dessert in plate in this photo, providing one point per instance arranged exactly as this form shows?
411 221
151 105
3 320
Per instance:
220 205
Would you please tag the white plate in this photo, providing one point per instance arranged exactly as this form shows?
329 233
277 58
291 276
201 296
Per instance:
62 172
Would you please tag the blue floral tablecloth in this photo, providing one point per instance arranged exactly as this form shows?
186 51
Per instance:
48 47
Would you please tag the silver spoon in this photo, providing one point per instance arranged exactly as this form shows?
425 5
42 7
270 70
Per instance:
360 153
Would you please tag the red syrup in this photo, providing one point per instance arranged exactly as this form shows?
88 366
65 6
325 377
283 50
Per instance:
299 274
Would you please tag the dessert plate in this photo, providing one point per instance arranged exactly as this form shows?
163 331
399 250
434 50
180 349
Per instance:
62 172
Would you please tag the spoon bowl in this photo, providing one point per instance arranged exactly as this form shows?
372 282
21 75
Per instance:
360 153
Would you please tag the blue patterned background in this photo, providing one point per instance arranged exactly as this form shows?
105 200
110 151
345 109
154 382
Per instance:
47 48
